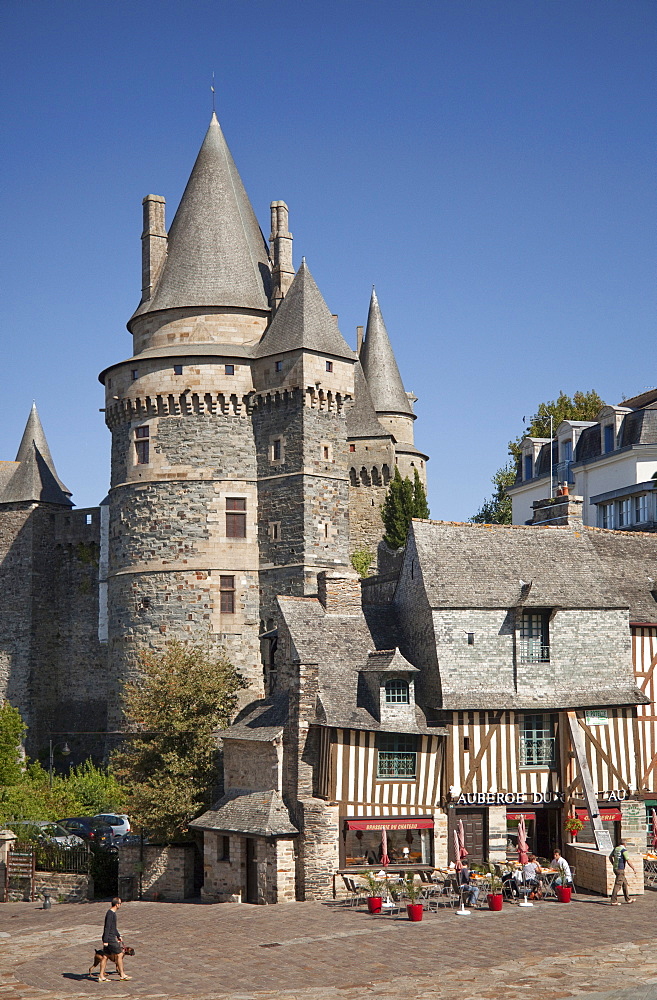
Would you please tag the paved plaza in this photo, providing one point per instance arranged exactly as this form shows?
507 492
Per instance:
301 951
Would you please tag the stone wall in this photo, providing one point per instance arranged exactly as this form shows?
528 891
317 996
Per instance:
319 854
225 875
593 870
167 873
253 765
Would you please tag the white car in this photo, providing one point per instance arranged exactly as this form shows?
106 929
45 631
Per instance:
118 821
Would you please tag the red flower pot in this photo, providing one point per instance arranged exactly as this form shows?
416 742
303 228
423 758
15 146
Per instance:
494 900
414 911
374 903
563 892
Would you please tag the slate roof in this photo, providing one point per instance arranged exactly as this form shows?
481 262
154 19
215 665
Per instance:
262 814
340 645
33 477
217 255
480 566
303 320
387 661
380 367
362 421
263 720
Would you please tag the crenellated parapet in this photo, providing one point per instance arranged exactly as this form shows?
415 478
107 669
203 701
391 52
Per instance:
176 405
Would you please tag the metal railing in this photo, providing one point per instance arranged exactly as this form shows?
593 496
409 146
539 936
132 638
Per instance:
533 651
396 765
562 473
537 752
59 858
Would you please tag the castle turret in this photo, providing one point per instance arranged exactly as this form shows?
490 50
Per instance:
393 405
183 542
280 243
303 377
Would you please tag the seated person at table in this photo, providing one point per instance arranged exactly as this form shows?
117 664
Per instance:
471 893
531 874
562 866
509 881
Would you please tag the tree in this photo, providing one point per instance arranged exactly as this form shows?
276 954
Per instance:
497 509
186 692
12 732
404 501
583 406
361 560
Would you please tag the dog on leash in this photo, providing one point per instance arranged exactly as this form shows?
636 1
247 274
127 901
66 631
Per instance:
99 954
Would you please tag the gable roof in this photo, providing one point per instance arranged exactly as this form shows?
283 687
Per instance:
217 255
263 814
380 367
303 321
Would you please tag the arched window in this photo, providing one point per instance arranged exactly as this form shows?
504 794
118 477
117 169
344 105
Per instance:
397 692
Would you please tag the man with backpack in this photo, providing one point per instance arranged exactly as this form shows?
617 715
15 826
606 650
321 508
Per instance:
620 859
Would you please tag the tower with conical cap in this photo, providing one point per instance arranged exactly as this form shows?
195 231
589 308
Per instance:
229 421
51 660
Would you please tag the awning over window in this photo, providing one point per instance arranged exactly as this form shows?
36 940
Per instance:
607 815
520 812
391 823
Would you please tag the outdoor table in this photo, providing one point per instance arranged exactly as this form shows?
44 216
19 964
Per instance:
650 870
549 877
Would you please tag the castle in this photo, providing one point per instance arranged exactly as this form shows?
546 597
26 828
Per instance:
251 450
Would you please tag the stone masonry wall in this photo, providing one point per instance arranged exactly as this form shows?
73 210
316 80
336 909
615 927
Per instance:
167 873
319 854
365 524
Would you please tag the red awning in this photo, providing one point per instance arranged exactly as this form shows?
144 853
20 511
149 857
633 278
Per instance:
520 812
391 823
608 815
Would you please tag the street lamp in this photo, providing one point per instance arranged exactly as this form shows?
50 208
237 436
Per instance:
51 754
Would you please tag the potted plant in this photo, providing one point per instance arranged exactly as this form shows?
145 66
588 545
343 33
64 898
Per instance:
413 891
573 826
375 889
494 897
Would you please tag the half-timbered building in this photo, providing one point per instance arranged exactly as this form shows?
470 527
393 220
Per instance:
487 676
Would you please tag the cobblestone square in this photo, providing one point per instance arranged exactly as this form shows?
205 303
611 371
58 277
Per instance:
312 950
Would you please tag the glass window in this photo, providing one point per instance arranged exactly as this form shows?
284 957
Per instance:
227 594
606 517
566 451
235 517
276 450
397 692
229 369
397 756
177 369
278 365
135 374
609 438
142 445
364 847
329 366
624 513
534 637
536 741
641 508
529 467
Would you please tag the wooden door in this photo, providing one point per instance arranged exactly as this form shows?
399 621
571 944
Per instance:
475 828
251 871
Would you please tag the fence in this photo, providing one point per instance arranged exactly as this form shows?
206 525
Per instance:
58 858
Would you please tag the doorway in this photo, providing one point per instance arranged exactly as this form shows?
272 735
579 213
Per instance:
547 832
251 871
475 829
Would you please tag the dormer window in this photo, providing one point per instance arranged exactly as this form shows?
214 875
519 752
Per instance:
609 436
529 467
397 692
278 365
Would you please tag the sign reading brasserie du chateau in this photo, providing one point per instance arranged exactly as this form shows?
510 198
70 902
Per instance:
529 798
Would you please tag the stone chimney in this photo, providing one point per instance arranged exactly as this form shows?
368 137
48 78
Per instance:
280 243
153 244
560 511
339 592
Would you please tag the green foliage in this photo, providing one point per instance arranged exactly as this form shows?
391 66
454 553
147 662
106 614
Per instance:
185 694
12 731
404 501
96 789
375 886
86 790
497 508
361 560
582 406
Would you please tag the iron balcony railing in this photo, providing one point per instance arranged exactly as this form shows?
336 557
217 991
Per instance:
536 751
396 765
534 651
562 473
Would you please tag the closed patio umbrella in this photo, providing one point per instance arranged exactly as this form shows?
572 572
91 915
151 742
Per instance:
385 860
457 851
654 830
461 834
523 846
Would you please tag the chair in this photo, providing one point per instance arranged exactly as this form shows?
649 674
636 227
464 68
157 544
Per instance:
572 875
355 893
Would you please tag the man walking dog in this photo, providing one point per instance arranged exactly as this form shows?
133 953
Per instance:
112 943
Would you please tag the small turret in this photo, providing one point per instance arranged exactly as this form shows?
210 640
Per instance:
280 243
33 477
153 244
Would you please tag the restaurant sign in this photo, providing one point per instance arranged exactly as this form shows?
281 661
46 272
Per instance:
529 798
596 717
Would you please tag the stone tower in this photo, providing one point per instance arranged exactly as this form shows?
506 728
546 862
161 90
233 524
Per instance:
230 421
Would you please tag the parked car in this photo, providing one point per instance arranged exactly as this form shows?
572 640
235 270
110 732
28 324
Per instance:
93 830
118 821
45 831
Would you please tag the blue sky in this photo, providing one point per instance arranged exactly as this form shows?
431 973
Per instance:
489 166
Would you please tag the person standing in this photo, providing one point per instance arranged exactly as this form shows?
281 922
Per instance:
620 860
112 943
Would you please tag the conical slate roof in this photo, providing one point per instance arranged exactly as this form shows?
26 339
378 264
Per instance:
35 476
362 421
217 255
303 320
380 366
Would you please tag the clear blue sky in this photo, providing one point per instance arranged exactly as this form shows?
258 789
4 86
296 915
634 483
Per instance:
489 166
